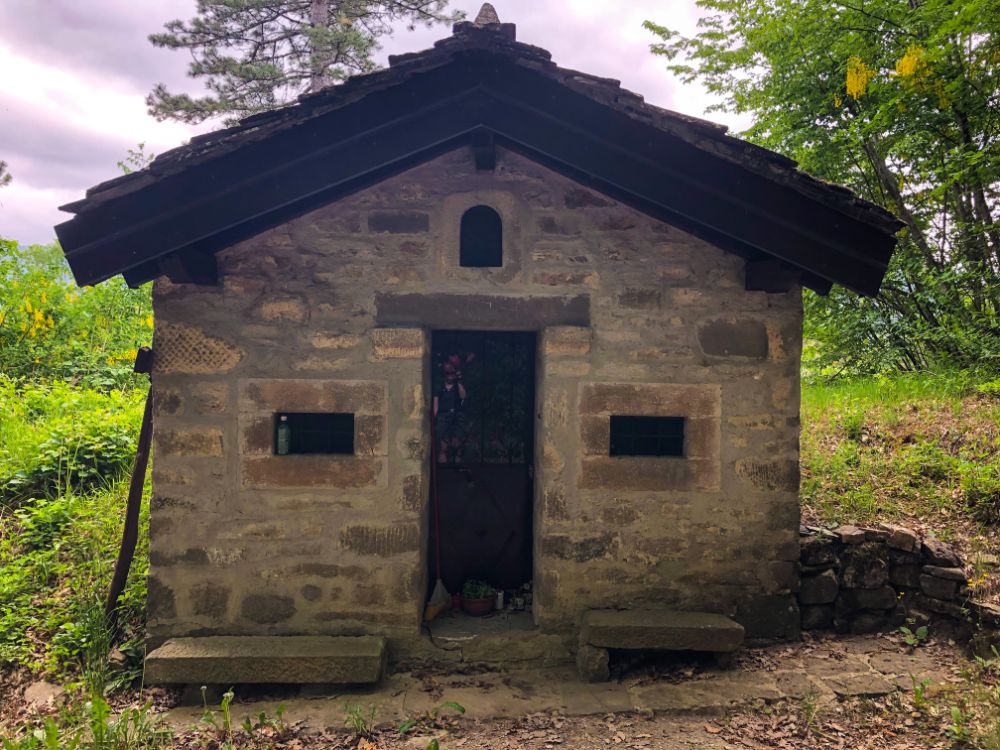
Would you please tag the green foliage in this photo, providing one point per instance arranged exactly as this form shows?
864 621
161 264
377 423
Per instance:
473 589
920 700
52 330
256 55
897 101
52 590
358 721
913 637
93 726
57 437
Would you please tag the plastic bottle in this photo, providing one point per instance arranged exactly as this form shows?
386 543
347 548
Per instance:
284 436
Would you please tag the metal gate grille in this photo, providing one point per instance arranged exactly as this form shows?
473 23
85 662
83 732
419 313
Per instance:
498 372
486 497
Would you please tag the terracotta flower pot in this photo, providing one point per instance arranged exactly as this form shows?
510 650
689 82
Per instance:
478 607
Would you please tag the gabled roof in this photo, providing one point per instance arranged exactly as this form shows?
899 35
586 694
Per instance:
477 86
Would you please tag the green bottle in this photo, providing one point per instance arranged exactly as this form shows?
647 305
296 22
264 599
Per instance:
284 435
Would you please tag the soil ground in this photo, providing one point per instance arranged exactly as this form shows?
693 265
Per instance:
852 692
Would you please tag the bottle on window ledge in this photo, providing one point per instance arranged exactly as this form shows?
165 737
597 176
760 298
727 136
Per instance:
284 436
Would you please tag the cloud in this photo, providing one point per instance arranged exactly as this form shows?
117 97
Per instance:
75 75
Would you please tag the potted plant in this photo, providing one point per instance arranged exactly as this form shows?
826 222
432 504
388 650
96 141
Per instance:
478 598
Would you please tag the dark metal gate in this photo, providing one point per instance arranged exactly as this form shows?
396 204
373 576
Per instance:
485 492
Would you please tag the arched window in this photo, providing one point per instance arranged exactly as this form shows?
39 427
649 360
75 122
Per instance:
481 244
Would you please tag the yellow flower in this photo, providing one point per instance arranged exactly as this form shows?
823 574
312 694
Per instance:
149 321
858 76
911 62
51 322
837 101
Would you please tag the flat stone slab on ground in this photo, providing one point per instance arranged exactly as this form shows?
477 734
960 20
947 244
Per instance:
661 629
227 660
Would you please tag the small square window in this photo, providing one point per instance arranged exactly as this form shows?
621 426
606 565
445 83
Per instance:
647 436
298 432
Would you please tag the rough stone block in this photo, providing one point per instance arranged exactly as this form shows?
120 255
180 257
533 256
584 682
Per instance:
817 550
192 441
210 600
592 663
951 574
817 617
267 609
661 629
864 567
228 660
567 340
883 597
283 308
938 588
772 618
481 310
381 540
905 576
738 338
648 474
339 472
185 349
652 399
819 589
902 538
776 475
850 534
398 222
308 395
940 553
397 343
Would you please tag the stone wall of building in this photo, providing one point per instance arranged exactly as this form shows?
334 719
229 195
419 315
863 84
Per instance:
333 312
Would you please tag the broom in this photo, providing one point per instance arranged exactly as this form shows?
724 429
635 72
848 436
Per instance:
440 598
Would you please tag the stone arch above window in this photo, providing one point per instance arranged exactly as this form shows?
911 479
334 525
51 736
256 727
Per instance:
481 238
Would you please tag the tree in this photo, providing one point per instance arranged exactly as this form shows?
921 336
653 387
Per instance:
256 55
900 100
5 176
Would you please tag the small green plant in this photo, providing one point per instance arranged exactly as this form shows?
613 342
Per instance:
473 589
913 637
991 664
265 722
958 730
358 721
208 716
810 708
920 701
432 719
45 737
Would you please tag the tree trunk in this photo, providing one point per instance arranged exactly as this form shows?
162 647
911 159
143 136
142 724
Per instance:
319 18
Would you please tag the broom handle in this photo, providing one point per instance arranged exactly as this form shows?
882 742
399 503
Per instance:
434 493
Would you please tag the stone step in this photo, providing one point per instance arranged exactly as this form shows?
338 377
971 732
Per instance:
661 629
232 660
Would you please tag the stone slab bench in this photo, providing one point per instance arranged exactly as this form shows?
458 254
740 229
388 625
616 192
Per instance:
232 660
661 630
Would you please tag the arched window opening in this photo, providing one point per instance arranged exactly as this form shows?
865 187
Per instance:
481 244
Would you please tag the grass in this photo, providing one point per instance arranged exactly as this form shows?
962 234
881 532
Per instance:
921 449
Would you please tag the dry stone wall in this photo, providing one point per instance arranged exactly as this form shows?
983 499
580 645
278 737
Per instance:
333 311
863 580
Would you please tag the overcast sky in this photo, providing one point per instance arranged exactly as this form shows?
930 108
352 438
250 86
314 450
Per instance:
74 75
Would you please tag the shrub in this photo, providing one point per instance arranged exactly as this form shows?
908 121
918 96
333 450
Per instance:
981 487
57 437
